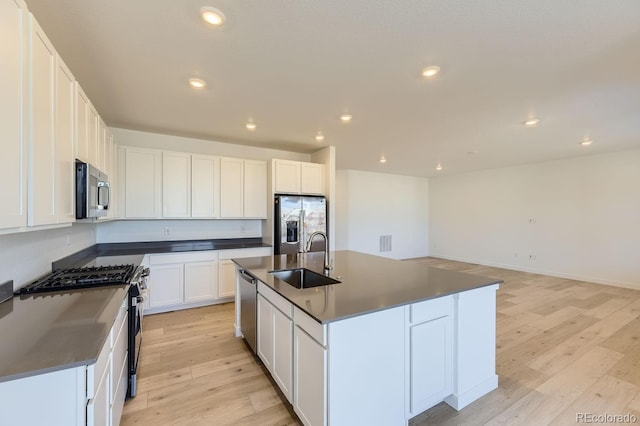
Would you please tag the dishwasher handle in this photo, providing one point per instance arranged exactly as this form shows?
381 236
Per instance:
246 276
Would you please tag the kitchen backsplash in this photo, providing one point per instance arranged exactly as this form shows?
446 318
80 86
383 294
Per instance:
169 230
27 256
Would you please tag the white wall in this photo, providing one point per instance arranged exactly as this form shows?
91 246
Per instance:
369 205
577 218
27 256
153 230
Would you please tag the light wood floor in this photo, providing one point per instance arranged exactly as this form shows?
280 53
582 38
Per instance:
563 347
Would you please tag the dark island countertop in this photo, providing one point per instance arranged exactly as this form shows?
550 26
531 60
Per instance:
368 283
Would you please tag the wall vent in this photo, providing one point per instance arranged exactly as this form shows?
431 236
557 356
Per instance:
385 243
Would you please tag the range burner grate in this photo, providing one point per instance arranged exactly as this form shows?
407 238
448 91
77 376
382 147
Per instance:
76 278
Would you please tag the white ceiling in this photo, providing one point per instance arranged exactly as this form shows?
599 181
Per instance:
295 66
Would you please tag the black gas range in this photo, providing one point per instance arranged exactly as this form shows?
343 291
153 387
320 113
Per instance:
78 278
96 274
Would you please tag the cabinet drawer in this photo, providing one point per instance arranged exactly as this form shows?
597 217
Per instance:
312 327
120 318
96 371
431 309
245 252
119 353
276 300
184 257
119 395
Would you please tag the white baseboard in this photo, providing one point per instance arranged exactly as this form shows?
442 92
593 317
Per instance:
462 400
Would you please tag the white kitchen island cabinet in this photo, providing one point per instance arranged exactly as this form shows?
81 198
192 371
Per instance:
367 352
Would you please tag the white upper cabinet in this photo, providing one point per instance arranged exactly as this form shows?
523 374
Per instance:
82 124
287 176
205 186
296 177
142 183
255 189
64 134
13 115
311 178
101 159
176 184
93 124
41 183
231 187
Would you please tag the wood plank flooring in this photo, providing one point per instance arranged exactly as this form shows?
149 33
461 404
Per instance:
563 347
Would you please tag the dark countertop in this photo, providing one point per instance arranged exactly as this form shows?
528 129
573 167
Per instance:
142 248
57 330
47 332
368 283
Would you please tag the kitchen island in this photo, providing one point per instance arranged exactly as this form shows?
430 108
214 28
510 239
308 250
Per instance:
387 342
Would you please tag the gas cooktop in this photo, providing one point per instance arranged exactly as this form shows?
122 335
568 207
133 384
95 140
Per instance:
76 278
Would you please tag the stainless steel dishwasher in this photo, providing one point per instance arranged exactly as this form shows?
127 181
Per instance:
248 301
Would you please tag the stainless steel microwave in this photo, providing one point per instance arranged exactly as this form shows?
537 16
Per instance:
93 192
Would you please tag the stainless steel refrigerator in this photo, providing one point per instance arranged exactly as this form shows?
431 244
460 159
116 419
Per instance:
296 217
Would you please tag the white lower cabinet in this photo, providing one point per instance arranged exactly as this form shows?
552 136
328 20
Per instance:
430 348
275 337
182 280
200 281
310 372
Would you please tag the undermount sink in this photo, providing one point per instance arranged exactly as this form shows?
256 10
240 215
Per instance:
303 278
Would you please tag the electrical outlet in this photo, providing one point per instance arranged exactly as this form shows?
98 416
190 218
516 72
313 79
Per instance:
532 257
167 231
68 239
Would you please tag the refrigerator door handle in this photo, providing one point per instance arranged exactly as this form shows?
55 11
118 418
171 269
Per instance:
301 232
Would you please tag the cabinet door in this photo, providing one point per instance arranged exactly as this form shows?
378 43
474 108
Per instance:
227 281
287 176
265 332
176 185
64 127
93 125
255 189
200 281
13 115
312 178
282 367
98 408
166 285
82 125
42 205
309 375
111 171
142 182
100 157
205 186
231 187
431 363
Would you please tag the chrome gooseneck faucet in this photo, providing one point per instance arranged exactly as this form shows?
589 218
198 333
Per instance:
327 267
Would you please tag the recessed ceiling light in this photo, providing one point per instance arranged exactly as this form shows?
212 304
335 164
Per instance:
319 137
383 159
439 167
196 83
212 16
431 71
586 142
346 117
251 126
532 121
